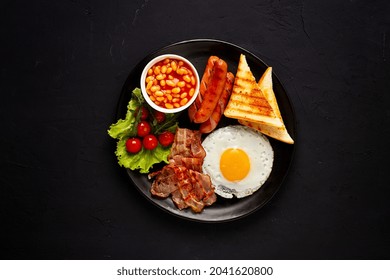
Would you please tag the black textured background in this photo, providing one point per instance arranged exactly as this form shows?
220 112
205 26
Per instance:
62 195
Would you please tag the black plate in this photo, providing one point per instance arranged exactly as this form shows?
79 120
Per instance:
198 51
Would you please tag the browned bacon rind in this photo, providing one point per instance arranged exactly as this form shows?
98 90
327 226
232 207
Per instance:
187 149
182 177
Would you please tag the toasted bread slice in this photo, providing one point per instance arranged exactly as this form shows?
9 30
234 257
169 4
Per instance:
279 133
247 101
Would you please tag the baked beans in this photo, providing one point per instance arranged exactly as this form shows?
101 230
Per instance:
170 83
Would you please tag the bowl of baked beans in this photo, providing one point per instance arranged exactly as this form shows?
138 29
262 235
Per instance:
170 83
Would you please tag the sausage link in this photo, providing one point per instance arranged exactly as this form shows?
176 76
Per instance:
215 117
203 86
213 92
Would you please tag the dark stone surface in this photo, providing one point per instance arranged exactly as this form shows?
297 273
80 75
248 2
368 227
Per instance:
62 195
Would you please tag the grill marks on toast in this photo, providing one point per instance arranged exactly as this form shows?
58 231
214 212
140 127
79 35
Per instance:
247 101
280 133
243 102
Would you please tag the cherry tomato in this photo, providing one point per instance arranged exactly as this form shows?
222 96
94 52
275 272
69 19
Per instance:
166 138
133 145
159 116
144 113
143 128
150 142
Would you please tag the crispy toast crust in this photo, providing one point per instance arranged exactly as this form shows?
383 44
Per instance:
247 101
279 133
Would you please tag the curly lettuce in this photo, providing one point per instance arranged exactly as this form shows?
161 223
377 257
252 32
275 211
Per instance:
125 128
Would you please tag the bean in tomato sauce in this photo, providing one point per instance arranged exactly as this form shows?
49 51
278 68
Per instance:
170 83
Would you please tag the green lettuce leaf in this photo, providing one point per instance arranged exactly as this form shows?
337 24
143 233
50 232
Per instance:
143 160
126 128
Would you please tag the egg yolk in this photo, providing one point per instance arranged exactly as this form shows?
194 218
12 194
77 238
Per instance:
234 164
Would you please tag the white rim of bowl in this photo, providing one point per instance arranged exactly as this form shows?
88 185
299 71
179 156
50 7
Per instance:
143 87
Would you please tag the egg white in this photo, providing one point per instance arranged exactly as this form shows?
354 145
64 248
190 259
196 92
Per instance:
256 146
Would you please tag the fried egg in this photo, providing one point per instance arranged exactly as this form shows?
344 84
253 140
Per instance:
238 160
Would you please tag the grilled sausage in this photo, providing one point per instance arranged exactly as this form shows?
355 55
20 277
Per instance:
213 92
215 117
203 86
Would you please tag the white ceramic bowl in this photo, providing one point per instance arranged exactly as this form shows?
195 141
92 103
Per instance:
145 74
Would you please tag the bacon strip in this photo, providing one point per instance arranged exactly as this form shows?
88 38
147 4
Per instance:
182 178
